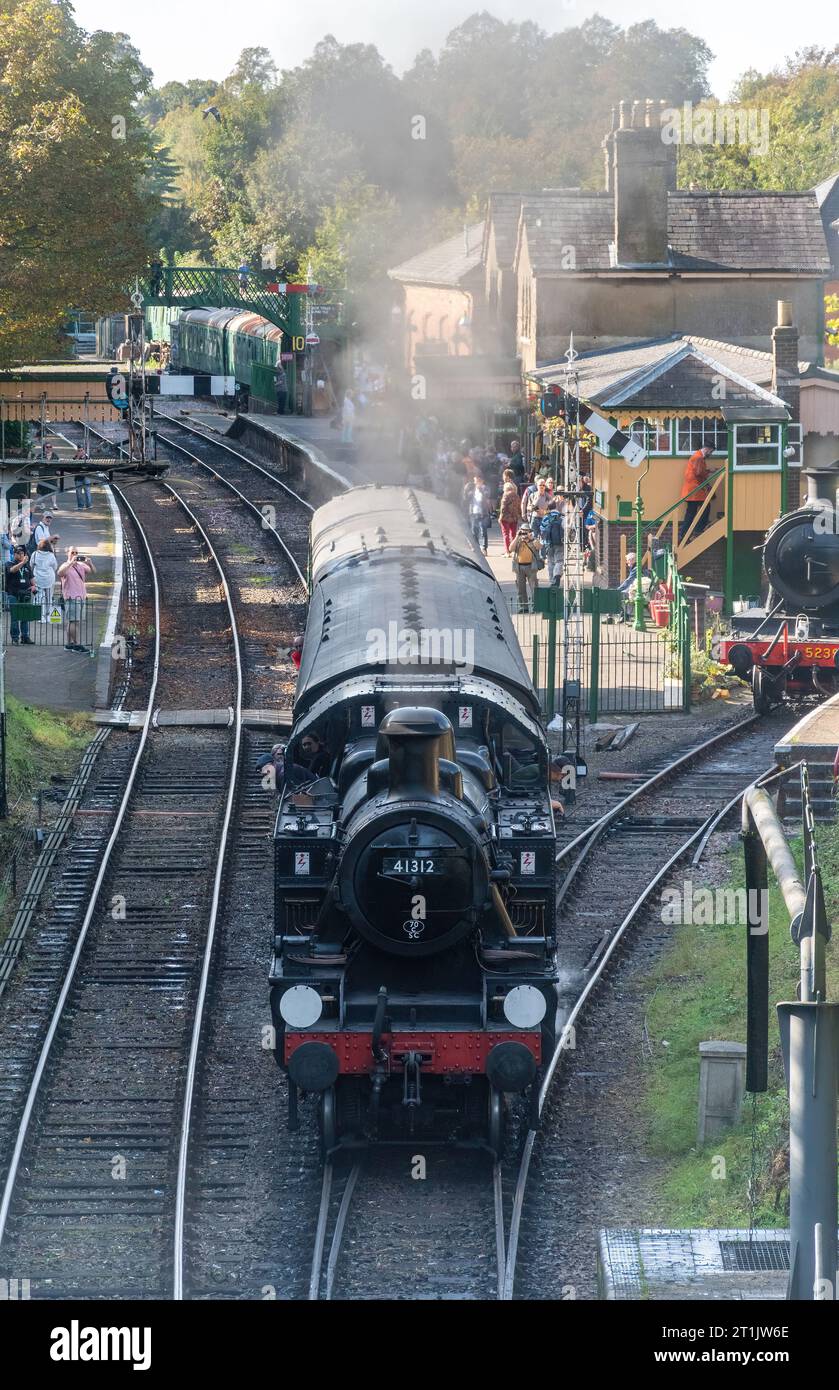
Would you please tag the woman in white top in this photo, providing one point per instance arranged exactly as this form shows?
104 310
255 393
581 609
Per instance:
44 566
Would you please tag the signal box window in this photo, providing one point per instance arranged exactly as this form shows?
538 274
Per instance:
757 447
652 435
700 432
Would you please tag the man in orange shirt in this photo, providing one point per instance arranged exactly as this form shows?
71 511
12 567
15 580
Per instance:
696 471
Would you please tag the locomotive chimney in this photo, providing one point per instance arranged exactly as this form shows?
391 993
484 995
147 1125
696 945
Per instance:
417 738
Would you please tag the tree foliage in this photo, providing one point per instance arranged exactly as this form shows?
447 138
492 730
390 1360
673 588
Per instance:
797 108
75 214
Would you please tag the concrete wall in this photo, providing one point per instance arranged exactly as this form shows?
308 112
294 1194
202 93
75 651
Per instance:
611 312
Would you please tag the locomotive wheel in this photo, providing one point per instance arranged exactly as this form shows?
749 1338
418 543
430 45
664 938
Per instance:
349 1110
764 691
495 1123
327 1123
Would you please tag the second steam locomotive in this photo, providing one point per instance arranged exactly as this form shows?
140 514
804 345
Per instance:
791 646
413 978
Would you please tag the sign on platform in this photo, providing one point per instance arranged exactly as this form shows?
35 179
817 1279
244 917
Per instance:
55 616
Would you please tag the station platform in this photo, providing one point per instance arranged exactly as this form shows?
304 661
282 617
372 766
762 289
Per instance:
815 738
45 674
693 1265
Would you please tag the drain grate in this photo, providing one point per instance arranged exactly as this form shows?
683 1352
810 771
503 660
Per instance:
748 1255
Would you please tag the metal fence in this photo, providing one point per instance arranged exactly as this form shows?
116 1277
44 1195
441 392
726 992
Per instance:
623 670
49 625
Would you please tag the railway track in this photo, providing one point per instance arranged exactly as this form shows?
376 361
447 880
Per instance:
451 1236
94 1197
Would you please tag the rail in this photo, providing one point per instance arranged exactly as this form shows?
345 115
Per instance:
588 839
46 1048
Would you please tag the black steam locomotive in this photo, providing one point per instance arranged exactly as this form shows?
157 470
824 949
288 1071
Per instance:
791 646
413 978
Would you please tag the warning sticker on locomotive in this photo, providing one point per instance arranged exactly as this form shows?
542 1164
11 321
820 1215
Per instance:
301 862
464 716
368 716
528 861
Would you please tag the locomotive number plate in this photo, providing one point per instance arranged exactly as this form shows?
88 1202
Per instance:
409 866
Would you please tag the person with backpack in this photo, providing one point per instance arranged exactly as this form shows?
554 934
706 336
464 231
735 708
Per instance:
526 565
40 532
552 534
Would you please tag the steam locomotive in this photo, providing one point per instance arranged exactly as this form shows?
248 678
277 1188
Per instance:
413 978
791 646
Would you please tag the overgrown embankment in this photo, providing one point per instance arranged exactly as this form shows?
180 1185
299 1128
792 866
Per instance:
42 749
697 994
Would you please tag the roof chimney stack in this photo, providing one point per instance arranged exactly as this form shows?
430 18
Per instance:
786 380
641 173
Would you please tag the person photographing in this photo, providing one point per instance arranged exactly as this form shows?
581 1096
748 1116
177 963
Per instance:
72 576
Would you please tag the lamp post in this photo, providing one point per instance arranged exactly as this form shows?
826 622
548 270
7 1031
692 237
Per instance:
640 625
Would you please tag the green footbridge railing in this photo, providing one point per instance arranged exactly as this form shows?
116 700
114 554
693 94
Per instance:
194 287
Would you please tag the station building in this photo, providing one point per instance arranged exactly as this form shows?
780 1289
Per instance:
761 412
635 260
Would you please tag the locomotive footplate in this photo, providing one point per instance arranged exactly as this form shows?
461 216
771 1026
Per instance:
456 1053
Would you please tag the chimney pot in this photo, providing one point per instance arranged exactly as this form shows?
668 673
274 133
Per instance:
784 313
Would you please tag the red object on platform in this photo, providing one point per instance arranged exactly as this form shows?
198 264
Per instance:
445 1052
660 609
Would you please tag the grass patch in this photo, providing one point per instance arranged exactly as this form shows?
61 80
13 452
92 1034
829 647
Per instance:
698 994
41 744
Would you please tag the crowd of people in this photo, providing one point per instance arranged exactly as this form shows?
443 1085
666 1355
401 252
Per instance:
35 574
531 508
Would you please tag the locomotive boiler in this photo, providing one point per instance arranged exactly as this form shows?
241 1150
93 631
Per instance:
791 645
413 977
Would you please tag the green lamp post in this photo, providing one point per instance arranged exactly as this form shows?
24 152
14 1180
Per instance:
640 625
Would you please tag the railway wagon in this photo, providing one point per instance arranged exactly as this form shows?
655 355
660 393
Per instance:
791 645
218 342
413 978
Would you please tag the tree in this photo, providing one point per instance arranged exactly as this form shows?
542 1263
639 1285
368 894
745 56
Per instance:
795 134
73 229
831 305
254 68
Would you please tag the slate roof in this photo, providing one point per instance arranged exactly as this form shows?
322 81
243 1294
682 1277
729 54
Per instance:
827 197
658 373
447 263
503 210
568 217
746 231
732 232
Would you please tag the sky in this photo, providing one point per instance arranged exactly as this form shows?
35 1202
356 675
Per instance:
179 39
